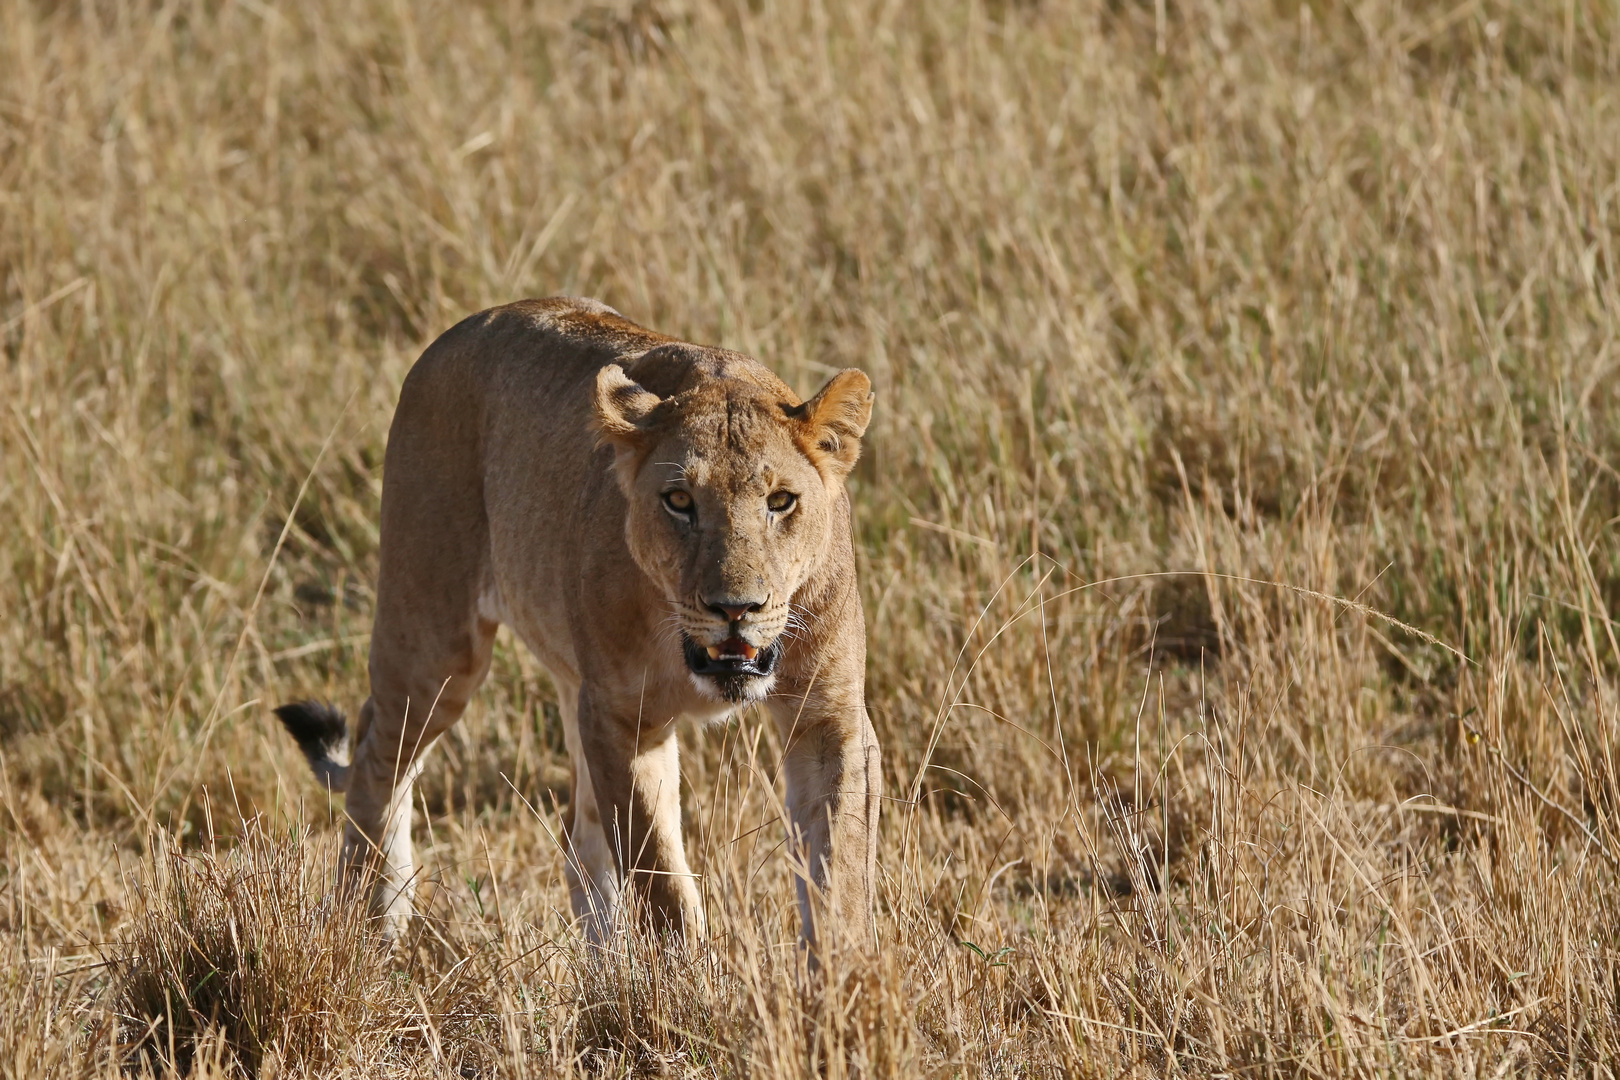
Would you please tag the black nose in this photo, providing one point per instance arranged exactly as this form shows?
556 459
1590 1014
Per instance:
734 610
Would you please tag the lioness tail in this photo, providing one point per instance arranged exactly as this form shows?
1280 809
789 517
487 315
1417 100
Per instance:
323 735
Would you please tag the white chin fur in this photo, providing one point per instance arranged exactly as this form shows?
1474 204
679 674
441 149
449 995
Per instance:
757 689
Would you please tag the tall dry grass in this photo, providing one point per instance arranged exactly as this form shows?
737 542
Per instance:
1187 318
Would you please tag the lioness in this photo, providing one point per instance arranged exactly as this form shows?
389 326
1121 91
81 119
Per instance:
666 526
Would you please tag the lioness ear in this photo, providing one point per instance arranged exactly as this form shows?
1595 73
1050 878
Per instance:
622 407
831 423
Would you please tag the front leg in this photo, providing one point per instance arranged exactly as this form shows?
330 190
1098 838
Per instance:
834 784
636 780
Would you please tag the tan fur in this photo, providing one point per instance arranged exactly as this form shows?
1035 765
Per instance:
525 484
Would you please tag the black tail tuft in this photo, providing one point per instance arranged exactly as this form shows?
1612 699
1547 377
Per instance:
323 735
319 729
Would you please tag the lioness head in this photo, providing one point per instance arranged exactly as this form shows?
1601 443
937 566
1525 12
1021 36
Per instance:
732 484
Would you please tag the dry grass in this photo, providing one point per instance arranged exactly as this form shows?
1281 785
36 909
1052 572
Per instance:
1166 302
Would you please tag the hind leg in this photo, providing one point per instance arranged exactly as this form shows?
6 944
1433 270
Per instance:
400 721
417 693
435 625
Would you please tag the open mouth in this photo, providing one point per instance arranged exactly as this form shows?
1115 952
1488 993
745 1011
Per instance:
733 657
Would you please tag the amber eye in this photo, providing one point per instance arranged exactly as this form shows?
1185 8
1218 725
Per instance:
780 502
678 501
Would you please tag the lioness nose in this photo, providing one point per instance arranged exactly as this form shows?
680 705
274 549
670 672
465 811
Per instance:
734 610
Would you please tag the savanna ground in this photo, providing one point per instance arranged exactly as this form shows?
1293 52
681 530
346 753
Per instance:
1187 317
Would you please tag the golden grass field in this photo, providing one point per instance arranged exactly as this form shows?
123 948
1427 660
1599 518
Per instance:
1239 526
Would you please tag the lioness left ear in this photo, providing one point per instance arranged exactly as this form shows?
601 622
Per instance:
622 407
831 423
623 419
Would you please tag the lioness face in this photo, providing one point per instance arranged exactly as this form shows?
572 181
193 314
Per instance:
731 491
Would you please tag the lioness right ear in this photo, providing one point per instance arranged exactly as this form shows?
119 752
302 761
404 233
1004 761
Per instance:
831 423
622 407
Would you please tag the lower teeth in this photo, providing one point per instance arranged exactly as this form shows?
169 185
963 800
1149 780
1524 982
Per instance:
742 652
